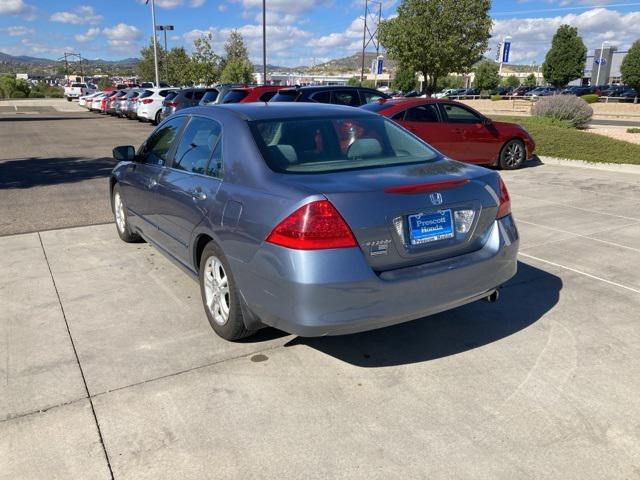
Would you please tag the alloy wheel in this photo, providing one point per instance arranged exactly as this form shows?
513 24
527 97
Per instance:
118 207
216 290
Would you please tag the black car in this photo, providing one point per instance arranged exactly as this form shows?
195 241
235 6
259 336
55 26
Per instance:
579 91
185 98
339 95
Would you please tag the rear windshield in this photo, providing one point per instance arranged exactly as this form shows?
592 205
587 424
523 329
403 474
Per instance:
324 145
171 95
285 96
78 85
145 94
234 96
375 106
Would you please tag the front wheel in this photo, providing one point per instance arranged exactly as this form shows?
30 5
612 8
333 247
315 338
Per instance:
120 216
512 155
220 296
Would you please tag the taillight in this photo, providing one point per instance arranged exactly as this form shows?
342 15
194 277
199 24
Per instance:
170 104
314 226
147 101
504 207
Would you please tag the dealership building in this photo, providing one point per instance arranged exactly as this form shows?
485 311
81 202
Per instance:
608 65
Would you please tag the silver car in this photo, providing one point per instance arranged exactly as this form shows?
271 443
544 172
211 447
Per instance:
315 219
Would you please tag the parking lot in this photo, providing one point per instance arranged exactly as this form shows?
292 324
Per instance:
110 369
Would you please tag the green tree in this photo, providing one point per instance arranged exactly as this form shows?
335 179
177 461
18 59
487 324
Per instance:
205 64
565 59
487 77
405 79
7 86
178 67
437 37
511 82
105 83
531 80
630 68
450 81
237 67
145 68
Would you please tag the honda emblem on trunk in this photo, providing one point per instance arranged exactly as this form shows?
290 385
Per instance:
436 198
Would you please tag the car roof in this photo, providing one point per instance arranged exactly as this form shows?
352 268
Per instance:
402 102
308 88
270 111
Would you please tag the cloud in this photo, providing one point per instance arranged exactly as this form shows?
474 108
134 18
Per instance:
17 8
17 31
531 37
84 14
88 36
169 4
292 7
123 38
340 43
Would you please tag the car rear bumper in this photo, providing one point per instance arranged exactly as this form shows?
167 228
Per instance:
332 292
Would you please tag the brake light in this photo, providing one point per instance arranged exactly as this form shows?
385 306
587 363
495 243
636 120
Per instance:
170 104
147 100
504 207
314 226
425 187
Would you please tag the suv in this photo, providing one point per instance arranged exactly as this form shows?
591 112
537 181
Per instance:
339 95
150 103
185 98
262 93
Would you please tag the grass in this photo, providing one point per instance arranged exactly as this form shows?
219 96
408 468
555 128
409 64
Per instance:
633 130
555 139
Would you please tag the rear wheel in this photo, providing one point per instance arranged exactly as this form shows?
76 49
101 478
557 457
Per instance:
157 119
120 216
512 155
219 295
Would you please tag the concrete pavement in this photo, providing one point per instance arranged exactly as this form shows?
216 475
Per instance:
111 370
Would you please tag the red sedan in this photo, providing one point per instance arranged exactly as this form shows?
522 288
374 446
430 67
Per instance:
459 131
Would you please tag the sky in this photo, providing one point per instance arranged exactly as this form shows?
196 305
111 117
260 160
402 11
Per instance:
299 32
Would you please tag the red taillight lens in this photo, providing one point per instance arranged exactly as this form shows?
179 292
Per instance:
146 101
170 104
314 226
504 208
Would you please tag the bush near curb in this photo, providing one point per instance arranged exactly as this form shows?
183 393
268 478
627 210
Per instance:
495 98
564 107
590 98
633 130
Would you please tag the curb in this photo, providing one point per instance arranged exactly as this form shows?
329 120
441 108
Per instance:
607 167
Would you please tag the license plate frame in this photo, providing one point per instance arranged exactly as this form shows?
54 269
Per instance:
429 227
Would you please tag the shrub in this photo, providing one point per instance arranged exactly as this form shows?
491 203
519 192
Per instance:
633 130
590 98
36 95
572 109
495 98
18 94
56 95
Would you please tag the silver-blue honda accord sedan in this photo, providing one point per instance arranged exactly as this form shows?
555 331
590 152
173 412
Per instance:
314 219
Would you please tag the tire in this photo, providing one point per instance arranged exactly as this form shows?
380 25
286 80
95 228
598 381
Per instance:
68 99
157 119
220 297
512 155
120 216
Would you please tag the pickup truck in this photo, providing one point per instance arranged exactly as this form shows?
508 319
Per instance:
77 90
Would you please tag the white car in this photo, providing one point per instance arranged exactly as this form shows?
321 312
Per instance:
82 101
149 104
77 90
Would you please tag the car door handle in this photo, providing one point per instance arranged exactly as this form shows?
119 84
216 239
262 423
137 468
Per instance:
198 194
152 183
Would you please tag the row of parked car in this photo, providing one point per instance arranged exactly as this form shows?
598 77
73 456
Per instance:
455 129
617 91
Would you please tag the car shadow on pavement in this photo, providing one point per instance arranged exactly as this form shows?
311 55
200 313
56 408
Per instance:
523 301
37 171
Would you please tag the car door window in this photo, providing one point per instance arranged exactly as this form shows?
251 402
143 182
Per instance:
422 113
214 168
458 114
399 116
198 141
346 97
155 150
368 96
197 96
321 97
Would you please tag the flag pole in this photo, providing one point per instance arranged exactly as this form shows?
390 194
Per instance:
155 41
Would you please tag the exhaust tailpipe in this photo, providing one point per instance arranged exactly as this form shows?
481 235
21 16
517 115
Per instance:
493 297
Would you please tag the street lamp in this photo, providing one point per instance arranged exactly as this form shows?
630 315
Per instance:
165 29
600 63
264 42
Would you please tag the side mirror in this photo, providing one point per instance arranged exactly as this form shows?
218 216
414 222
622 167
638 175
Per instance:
124 153
487 121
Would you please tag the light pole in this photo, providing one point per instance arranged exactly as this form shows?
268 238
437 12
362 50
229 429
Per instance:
165 28
600 63
264 42
155 40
